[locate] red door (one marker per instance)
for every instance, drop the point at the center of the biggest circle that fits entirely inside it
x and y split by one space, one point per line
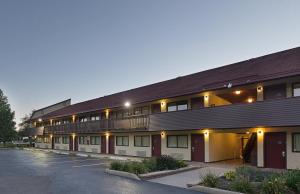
156 145
76 143
52 143
275 150
103 144
197 147
111 141
71 143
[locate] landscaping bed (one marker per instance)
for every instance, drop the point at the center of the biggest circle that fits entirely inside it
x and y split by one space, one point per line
151 165
253 180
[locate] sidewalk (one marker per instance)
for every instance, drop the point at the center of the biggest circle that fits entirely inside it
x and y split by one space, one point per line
87 154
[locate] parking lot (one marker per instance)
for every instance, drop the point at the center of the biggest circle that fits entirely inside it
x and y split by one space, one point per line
36 172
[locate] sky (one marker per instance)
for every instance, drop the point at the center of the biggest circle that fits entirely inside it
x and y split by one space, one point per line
59 49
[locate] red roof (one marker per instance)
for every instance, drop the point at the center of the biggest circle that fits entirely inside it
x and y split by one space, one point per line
273 66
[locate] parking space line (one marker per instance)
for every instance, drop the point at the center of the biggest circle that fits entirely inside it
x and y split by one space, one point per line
86 165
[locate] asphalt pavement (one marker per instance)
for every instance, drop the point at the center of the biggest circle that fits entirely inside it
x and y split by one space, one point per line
36 172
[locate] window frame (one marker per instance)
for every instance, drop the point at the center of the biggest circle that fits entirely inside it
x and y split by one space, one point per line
57 142
122 140
141 136
95 137
293 141
293 86
176 104
67 138
187 138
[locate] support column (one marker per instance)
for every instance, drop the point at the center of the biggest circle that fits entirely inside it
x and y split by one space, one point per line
206 101
260 148
163 106
107 142
206 146
289 90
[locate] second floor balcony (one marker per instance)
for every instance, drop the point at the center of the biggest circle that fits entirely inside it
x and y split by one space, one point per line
271 113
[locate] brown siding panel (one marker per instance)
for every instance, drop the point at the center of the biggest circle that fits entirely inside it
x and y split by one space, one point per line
284 112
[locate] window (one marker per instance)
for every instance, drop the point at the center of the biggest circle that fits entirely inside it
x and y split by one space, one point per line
46 140
65 140
296 89
120 114
142 141
138 111
95 140
145 110
177 141
39 140
95 118
122 141
56 140
296 142
177 106
83 119
66 121
57 122
82 140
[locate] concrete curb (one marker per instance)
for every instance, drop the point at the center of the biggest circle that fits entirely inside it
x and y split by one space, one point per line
153 175
209 190
122 174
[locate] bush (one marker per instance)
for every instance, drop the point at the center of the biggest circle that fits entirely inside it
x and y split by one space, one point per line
254 174
116 166
230 176
292 180
138 168
168 163
241 184
150 164
210 180
127 167
274 185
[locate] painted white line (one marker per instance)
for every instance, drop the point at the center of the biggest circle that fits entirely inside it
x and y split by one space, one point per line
88 165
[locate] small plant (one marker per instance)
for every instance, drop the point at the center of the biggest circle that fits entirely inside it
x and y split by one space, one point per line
165 162
292 180
210 180
230 176
138 168
274 185
116 165
150 164
241 184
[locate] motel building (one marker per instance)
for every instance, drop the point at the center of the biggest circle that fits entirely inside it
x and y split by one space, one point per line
248 111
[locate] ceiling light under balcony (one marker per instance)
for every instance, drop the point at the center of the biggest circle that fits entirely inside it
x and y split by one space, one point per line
237 92
127 104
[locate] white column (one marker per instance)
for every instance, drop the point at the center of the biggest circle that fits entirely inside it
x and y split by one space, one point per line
260 148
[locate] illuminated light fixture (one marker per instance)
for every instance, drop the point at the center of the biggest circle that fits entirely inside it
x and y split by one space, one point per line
73 135
73 118
248 132
250 100
163 104
237 92
162 134
259 88
260 132
206 133
127 104
107 134
51 135
206 97
40 120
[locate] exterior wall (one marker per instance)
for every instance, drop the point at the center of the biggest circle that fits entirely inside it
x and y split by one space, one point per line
179 153
131 150
89 148
221 146
43 145
217 101
61 146
292 158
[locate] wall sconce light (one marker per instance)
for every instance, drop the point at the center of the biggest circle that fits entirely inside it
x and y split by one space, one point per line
259 88
260 132
163 104
127 104
250 100
107 134
206 133
237 92
73 118
163 134
106 113
73 135
51 136
206 97
40 120
248 132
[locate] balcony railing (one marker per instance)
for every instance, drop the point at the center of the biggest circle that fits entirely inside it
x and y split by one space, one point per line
271 113
130 123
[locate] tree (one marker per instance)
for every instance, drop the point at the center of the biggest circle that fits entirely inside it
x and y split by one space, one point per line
24 126
7 123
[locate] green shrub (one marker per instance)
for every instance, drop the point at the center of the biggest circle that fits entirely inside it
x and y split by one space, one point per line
210 180
116 166
138 168
127 167
254 174
241 184
165 162
150 164
230 176
274 185
292 180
